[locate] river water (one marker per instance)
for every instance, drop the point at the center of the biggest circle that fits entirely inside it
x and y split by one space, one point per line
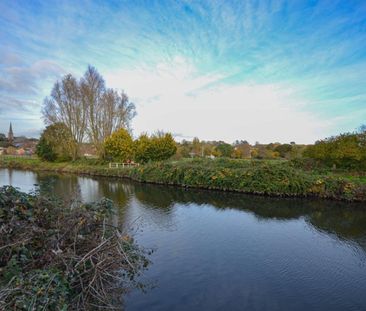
227 251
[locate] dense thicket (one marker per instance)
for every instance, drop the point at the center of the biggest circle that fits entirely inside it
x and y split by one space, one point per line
278 178
62 255
343 151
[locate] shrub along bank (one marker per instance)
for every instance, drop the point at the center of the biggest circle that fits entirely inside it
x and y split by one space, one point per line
274 178
58 255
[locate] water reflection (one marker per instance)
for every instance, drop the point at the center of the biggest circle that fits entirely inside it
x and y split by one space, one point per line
326 216
218 250
348 223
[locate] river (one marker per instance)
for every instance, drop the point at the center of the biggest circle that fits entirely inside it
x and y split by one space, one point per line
227 251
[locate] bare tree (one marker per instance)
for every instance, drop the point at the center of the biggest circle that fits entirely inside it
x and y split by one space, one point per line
88 109
65 105
106 109
92 88
118 112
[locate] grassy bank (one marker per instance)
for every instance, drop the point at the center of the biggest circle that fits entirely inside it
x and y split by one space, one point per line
274 178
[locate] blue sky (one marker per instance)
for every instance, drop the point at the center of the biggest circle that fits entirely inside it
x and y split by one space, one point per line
257 70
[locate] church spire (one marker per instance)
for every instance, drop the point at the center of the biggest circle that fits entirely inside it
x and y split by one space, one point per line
10 134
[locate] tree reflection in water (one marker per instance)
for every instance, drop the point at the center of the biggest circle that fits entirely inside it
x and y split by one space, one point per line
344 221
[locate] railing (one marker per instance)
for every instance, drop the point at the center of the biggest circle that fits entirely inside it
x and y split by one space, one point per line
123 165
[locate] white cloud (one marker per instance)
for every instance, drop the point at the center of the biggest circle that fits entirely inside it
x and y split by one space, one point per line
174 97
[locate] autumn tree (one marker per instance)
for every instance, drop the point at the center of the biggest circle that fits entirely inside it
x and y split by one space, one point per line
120 146
163 146
143 149
345 150
157 147
242 148
237 154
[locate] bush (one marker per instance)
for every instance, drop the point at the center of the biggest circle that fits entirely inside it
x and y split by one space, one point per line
55 143
45 151
158 147
275 178
344 151
58 256
120 146
224 150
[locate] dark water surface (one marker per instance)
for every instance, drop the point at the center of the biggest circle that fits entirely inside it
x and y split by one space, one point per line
225 251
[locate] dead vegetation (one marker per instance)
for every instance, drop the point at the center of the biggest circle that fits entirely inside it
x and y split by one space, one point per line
62 256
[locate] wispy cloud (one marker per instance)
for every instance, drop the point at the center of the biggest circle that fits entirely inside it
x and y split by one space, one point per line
26 80
273 70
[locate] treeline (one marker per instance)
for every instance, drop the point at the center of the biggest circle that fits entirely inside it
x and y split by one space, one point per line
343 151
120 146
347 151
86 113
238 150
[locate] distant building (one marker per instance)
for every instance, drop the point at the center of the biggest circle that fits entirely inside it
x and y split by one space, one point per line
88 151
10 135
20 151
20 145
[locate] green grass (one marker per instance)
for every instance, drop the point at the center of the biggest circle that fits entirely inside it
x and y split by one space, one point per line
264 177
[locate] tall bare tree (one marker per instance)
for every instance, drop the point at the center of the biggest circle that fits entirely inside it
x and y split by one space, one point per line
92 87
118 112
107 110
88 109
65 106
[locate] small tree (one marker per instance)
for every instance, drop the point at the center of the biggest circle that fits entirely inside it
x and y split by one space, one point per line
44 150
237 154
225 150
120 146
143 149
284 149
158 147
162 146
56 143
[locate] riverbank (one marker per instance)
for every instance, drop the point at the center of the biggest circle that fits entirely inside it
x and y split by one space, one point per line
60 255
272 178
